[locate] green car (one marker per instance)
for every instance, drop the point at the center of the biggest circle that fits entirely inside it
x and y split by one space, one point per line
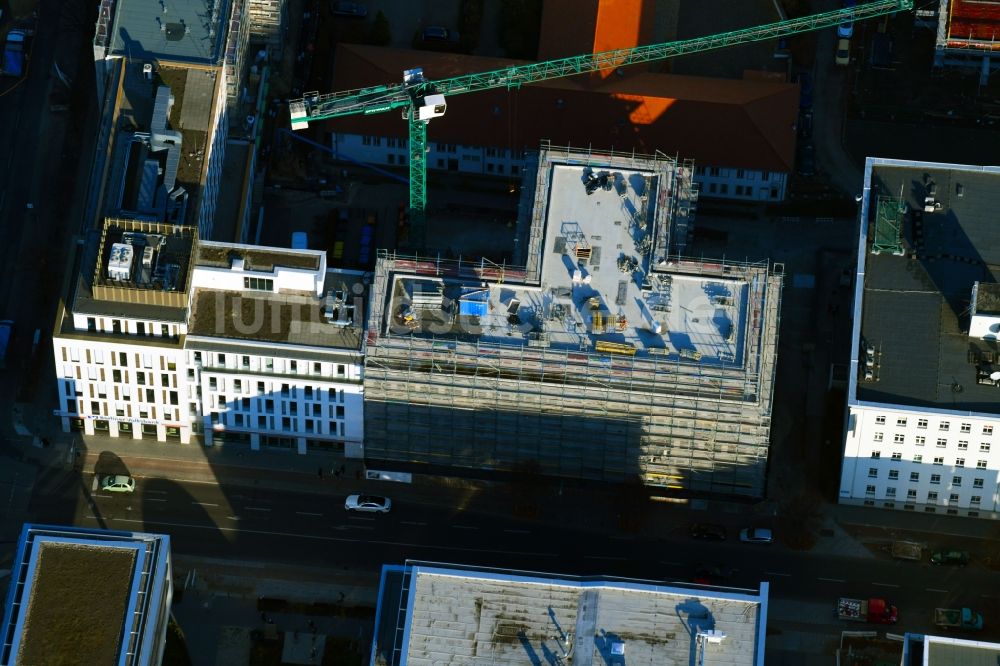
955 557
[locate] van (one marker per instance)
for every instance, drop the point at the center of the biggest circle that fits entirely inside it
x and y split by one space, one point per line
300 240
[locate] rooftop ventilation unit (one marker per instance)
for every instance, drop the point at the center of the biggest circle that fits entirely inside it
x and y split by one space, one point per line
120 262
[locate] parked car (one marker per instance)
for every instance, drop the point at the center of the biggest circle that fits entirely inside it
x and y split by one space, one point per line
805 124
954 557
707 531
756 535
435 33
349 10
845 30
843 55
807 159
368 503
118 483
805 90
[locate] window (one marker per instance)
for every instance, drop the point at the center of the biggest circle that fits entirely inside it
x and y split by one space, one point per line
116 375
944 426
712 188
984 447
897 456
914 477
258 284
714 172
939 461
740 174
921 440
987 430
245 361
980 464
238 385
921 423
724 188
911 494
222 359
870 490
392 158
880 420
935 478
932 496
898 438
976 499
765 176
963 445
293 366
901 423
953 497
959 462
317 368
873 472
977 483
876 454
893 474
941 443
966 427
878 437
340 412
212 383
739 190
890 492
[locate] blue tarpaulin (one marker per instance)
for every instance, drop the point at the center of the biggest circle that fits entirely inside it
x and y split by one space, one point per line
474 303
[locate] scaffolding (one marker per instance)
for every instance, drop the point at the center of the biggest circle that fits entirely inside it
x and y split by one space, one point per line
605 413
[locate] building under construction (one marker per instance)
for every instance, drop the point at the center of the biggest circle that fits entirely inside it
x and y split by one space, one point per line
606 354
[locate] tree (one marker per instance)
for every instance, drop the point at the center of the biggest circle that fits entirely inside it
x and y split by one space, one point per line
380 34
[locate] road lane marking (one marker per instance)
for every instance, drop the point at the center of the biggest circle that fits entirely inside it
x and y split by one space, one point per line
257 508
155 492
605 557
464 527
321 537
833 580
934 589
204 504
233 517
778 573
309 513
412 522
885 584
93 486
518 531
360 527
154 499
353 517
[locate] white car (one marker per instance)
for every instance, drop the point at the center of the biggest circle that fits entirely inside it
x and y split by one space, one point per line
842 58
756 535
118 483
368 503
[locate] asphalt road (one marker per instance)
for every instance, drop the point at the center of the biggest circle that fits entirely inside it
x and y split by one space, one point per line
283 527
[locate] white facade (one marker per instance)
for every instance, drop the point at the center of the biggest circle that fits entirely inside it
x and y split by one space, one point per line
152 379
922 460
717 182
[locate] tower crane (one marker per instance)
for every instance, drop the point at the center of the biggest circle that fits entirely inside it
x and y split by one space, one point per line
423 100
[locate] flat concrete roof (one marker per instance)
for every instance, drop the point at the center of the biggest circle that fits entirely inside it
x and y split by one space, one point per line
467 615
181 30
915 304
946 651
605 284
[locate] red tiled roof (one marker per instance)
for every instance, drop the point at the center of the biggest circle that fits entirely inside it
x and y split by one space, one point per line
975 20
718 122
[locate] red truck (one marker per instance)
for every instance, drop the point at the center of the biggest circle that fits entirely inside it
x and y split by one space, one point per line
875 611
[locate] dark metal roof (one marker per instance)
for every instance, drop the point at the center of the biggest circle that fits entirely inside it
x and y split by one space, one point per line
915 310
174 30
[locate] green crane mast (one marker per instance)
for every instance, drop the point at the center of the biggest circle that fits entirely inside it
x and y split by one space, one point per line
422 100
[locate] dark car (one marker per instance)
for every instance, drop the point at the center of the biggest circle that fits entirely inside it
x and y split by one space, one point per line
710 573
807 160
707 531
805 90
957 558
806 124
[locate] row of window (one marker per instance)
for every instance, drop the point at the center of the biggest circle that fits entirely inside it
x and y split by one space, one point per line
722 172
266 406
125 410
246 362
920 440
932 496
943 426
119 326
118 359
286 425
956 481
959 462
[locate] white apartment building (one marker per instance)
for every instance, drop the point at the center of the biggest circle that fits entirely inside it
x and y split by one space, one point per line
923 414
168 338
